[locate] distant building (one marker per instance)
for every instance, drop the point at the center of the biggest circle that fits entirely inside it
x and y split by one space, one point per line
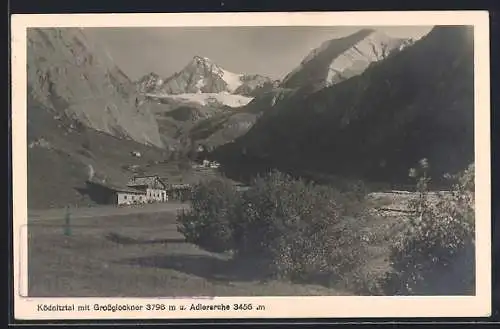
210 164
240 188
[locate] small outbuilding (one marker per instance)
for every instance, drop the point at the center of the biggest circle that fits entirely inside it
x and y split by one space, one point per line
180 191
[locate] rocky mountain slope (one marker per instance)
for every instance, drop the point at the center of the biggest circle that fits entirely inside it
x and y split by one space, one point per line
340 59
225 127
149 83
176 117
417 103
67 75
201 75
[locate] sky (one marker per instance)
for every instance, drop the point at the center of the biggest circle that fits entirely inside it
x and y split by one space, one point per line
270 51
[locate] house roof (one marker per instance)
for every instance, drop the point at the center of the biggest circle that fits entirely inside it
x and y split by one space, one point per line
128 190
144 181
115 187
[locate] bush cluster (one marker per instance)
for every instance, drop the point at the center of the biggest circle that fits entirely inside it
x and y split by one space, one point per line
290 228
215 205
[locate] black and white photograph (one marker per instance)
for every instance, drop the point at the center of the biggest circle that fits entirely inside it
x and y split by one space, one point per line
229 161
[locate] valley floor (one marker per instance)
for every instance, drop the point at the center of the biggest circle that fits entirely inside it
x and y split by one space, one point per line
138 252
140 255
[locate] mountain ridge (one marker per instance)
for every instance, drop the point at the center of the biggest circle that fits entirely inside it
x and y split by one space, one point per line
339 59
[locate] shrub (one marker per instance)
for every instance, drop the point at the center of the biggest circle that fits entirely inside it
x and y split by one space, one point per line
440 236
297 227
214 204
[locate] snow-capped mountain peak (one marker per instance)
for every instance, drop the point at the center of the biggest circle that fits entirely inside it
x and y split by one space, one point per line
201 59
203 62
212 70
201 75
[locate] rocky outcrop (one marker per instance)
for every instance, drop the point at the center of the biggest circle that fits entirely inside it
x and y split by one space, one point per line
149 83
255 85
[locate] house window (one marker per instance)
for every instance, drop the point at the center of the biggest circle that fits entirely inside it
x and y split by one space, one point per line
125 197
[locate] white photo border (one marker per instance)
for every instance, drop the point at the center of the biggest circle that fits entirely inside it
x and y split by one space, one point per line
25 308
